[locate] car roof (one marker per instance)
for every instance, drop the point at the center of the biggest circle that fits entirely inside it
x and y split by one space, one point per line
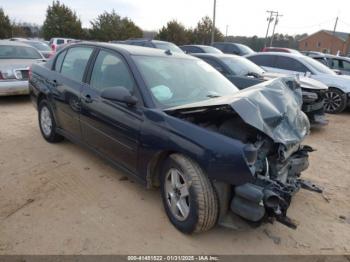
227 43
146 40
134 50
13 43
295 55
199 45
216 55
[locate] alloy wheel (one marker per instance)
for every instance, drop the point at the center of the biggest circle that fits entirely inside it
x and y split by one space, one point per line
46 121
332 101
177 194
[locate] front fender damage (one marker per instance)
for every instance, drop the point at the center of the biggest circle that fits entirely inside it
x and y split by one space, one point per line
269 120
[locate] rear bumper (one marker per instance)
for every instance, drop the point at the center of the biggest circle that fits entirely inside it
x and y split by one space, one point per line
15 87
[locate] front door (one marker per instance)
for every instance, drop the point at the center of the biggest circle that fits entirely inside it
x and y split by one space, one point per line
111 128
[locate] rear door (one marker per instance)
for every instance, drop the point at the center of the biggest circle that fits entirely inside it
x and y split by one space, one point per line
70 68
111 128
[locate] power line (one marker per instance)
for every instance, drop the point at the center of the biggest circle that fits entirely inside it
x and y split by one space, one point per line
274 26
269 19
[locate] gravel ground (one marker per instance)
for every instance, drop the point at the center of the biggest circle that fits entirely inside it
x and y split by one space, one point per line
62 199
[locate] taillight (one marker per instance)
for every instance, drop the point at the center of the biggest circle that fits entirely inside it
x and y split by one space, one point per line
53 47
30 73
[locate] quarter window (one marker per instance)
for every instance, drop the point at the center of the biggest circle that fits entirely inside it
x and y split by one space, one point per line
59 61
75 62
290 64
110 71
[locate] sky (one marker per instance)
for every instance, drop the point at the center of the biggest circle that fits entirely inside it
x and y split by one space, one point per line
245 18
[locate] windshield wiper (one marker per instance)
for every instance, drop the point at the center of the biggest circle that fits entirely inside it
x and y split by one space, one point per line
253 74
213 96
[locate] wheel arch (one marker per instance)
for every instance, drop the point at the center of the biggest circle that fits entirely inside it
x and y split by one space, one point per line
154 168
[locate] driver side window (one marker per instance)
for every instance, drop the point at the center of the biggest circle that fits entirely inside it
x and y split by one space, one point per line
110 71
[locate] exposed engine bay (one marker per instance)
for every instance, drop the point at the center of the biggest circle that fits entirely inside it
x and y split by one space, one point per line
270 123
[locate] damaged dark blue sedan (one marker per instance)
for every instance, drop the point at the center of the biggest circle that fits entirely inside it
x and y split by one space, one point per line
172 121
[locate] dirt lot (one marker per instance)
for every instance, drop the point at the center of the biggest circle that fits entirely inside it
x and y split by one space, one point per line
62 199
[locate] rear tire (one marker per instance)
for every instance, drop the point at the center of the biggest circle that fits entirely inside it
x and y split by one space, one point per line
335 101
47 123
189 198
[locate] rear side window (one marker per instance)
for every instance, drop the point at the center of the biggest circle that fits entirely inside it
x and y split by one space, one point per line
60 41
231 49
219 46
193 49
110 71
263 60
216 65
290 64
59 61
75 62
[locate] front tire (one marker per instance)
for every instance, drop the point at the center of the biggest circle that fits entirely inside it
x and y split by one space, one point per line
189 198
47 123
335 101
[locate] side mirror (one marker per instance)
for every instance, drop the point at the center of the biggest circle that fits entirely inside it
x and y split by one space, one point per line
119 94
308 74
338 72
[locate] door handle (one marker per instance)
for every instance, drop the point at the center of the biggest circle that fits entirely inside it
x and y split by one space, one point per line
88 99
54 83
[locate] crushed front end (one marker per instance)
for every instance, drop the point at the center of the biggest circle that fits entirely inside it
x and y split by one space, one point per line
277 171
276 157
268 121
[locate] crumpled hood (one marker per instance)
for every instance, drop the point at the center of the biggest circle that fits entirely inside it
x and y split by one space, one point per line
305 82
273 107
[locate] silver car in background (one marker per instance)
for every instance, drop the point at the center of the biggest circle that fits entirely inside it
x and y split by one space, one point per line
15 61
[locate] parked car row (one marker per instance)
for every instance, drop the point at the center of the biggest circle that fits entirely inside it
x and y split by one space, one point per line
337 97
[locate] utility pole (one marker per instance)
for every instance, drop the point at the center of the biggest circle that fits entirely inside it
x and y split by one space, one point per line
335 28
226 32
274 27
213 29
269 19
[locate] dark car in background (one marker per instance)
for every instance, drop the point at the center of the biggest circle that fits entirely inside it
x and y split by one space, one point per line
194 49
244 73
173 121
233 48
151 43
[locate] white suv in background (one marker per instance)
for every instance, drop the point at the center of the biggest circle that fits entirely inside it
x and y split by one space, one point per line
338 94
55 42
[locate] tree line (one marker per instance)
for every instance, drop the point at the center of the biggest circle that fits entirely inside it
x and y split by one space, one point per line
62 21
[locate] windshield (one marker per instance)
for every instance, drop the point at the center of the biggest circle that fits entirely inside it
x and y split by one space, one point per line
39 45
179 81
317 66
18 52
246 50
242 67
168 46
210 49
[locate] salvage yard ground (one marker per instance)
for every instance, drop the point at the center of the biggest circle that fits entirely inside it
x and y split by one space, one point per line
62 199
